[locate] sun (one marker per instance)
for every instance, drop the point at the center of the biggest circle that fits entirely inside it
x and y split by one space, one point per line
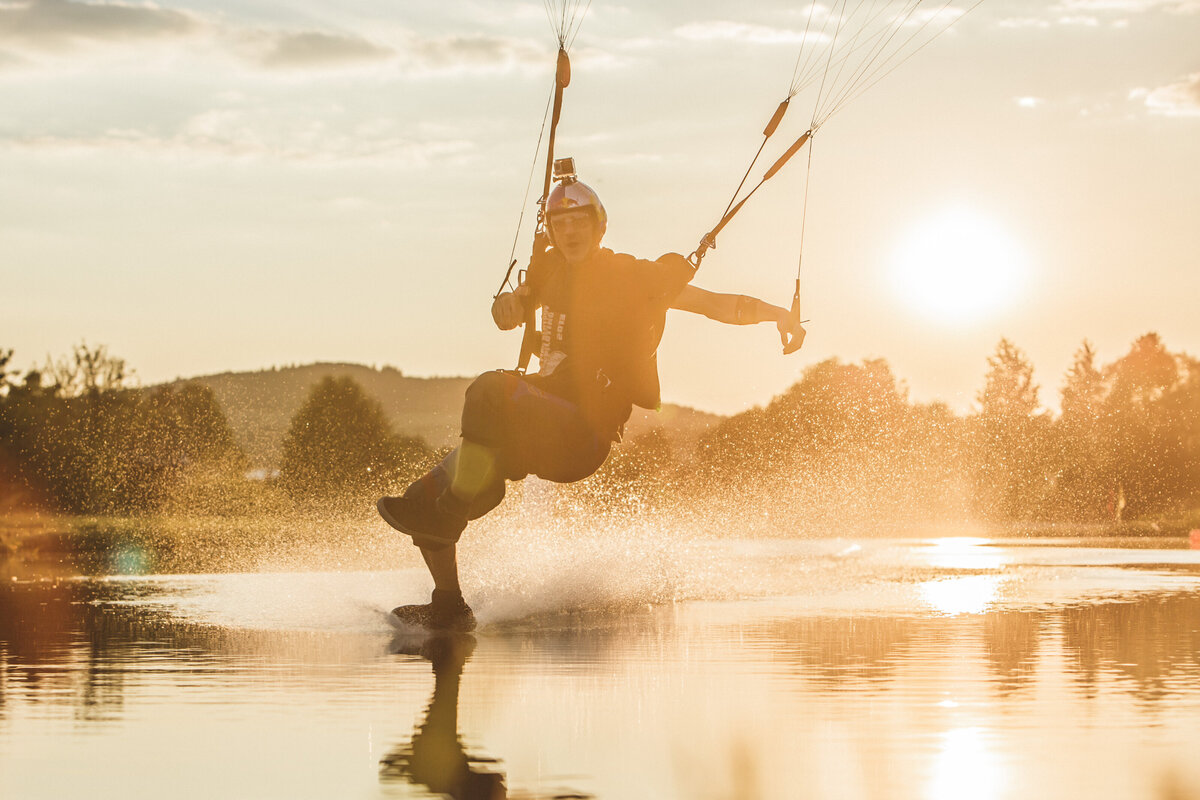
958 267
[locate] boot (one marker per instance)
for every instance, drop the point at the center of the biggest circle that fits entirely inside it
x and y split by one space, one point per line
419 514
447 611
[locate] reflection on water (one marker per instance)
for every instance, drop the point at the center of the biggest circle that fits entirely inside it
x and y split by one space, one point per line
965 669
1011 640
434 757
1151 647
972 594
966 765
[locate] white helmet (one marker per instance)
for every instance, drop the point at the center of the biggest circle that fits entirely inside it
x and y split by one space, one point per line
570 194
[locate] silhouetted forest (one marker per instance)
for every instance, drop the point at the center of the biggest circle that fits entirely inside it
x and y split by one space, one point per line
844 445
260 405
75 437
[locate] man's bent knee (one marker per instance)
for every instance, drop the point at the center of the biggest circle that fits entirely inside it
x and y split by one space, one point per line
485 408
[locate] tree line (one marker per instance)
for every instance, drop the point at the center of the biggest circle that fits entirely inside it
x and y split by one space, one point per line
75 437
845 444
78 437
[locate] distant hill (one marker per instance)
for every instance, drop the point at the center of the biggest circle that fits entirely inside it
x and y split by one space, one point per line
260 406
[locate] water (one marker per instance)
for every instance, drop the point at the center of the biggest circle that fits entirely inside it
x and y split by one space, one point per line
831 668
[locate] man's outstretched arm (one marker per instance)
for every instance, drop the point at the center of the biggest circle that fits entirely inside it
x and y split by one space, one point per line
738 309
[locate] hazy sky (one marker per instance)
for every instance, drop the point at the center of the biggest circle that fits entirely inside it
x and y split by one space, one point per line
211 186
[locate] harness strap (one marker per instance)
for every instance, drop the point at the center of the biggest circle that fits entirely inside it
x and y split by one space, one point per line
531 336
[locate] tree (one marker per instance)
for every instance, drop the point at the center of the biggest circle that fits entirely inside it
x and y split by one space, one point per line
88 371
1144 428
68 440
1010 441
834 410
23 408
88 443
12 493
1084 482
827 447
1183 403
5 358
1009 392
340 447
1144 374
1083 390
99 425
930 464
190 421
185 452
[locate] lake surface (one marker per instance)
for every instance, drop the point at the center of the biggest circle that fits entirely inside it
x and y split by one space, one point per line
827 668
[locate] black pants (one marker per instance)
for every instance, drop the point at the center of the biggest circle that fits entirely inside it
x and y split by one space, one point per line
533 430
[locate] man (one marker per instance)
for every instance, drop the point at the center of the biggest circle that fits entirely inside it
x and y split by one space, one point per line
602 318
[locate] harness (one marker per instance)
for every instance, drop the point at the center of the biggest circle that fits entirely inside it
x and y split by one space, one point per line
849 45
541 240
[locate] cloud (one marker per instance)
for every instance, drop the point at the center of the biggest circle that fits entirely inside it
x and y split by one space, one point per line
725 30
809 11
419 56
228 134
50 30
9 60
473 53
259 134
1099 13
944 15
60 24
1024 22
314 49
1029 102
1127 6
1179 99
1064 20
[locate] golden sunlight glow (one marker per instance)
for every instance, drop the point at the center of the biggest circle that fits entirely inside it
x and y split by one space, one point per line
965 767
958 267
967 595
965 552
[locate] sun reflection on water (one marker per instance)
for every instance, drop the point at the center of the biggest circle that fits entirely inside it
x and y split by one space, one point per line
965 766
963 594
969 595
965 552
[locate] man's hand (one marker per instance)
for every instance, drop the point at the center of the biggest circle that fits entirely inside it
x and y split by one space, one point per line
791 333
508 309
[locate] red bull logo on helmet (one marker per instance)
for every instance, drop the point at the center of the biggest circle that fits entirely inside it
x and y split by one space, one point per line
576 195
